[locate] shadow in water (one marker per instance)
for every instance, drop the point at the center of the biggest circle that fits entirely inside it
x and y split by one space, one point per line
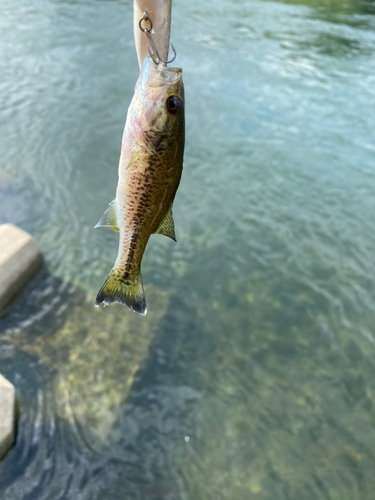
73 367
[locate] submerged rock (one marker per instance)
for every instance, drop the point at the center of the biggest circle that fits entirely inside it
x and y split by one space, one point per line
94 357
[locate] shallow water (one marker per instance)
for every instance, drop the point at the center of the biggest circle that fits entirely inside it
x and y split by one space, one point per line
253 375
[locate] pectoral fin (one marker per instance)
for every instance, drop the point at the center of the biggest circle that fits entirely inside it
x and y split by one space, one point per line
110 217
167 226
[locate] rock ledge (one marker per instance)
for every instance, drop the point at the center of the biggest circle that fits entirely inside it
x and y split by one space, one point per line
20 259
7 415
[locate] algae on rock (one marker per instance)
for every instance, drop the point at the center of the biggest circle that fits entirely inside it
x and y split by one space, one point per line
95 356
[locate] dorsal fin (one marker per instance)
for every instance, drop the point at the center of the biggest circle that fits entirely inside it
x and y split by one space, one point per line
167 226
109 217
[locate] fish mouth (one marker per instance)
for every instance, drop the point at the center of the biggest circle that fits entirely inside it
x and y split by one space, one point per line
154 76
166 76
159 71
177 70
151 65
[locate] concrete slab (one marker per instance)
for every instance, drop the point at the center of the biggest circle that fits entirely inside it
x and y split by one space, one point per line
7 415
20 259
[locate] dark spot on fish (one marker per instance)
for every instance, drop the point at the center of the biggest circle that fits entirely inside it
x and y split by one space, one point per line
155 119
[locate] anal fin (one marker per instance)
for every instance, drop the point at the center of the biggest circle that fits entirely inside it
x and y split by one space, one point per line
167 226
110 217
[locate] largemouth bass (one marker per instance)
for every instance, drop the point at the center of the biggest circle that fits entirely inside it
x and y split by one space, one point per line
150 169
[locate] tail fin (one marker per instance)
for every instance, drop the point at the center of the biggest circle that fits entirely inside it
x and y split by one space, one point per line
117 288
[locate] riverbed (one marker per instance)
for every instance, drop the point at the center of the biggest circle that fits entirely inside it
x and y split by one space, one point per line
253 374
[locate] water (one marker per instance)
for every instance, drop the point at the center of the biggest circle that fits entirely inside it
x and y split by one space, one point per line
252 376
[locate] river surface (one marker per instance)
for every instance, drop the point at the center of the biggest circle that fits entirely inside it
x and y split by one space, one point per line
253 374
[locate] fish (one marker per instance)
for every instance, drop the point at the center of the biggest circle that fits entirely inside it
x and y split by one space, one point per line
149 174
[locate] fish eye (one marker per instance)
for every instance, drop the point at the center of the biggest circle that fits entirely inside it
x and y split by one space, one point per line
173 104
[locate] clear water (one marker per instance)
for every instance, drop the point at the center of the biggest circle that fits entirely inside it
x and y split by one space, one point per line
253 375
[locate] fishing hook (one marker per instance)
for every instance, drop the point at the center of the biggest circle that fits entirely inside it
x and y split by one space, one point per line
147 31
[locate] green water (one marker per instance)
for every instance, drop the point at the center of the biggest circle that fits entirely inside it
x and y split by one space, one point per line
253 375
